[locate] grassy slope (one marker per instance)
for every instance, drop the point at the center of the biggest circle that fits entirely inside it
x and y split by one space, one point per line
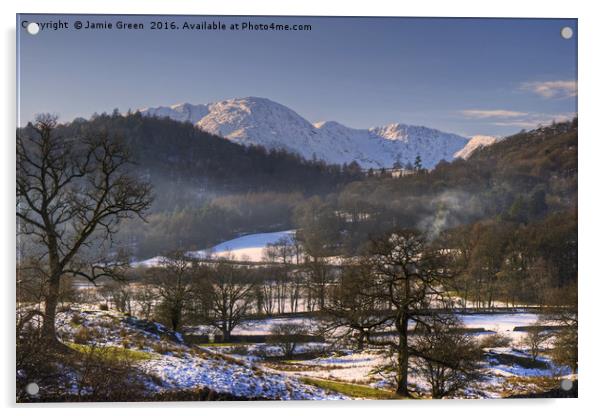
349 389
111 352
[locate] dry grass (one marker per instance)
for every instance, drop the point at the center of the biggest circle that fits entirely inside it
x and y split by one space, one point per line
113 353
352 390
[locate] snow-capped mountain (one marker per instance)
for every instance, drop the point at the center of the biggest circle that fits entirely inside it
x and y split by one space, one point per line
474 144
260 121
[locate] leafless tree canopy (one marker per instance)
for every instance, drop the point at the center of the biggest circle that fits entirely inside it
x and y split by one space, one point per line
231 290
182 288
397 281
71 195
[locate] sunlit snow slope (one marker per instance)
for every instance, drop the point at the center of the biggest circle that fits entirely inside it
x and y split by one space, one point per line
260 121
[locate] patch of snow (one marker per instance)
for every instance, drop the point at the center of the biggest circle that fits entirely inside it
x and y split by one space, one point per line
249 247
257 326
498 322
475 143
152 262
246 248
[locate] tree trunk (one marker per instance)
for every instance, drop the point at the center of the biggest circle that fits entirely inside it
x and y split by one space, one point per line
175 323
54 288
361 341
51 301
402 360
226 335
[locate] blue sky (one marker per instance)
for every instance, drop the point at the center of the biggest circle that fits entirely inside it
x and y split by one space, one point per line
467 76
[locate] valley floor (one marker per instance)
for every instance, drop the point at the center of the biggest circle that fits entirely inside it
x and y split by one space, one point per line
318 370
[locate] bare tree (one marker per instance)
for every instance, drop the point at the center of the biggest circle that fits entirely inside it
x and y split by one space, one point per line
72 194
351 311
269 286
120 293
268 295
295 287
565 349
536 339
231 296
447 358
180 284
145 298
319 274
563 311
539 277
282 252
287 336
403 280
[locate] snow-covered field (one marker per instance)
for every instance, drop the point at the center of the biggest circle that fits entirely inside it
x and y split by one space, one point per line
257 326
176 366
246 248
490 322
506 369
498 322
241 379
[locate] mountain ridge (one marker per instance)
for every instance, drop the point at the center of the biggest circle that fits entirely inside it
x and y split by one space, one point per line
263 122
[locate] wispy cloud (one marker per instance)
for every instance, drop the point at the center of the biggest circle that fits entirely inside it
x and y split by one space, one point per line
492 113
520 119
551 89
534 120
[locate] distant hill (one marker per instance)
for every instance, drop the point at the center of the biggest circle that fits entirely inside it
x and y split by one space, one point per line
544 157
171 152
549 150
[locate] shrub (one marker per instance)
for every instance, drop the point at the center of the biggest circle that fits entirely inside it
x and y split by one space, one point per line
162 348
63 308
239 350
125 343
35 362
286 336
536 339
139 341
84 335
495 340
106 374
77 319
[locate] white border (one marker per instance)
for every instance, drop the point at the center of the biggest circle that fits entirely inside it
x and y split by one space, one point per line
590 126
